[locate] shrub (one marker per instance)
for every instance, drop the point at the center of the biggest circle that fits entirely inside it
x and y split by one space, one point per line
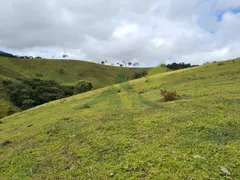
82 86
176 66
220 64
137 75
169 96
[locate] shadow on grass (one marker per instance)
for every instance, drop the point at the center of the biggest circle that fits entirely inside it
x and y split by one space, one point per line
113 98
224 134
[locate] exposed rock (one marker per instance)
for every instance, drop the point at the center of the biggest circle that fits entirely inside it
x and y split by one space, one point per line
225 171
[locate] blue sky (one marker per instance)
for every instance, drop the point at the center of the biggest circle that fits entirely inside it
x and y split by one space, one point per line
221 13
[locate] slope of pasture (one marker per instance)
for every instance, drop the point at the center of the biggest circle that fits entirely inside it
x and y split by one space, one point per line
127 132
66 72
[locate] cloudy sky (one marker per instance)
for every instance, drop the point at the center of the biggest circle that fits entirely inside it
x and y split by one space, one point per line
147 32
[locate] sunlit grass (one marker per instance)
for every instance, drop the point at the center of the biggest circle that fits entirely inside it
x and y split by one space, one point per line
123 135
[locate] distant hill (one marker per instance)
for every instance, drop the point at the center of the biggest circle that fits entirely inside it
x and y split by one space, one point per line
65 72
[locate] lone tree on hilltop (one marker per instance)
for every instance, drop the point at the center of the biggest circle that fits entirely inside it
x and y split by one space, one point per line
65 55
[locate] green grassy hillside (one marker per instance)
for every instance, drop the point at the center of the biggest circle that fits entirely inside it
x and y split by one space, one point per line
127 132
99 75
65 72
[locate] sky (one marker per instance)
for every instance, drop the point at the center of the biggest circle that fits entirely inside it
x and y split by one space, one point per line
148 32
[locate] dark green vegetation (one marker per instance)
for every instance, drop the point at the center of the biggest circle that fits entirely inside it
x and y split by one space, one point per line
6 106
29 92
176 66
139 74
4 54
117 133
82 86
64 72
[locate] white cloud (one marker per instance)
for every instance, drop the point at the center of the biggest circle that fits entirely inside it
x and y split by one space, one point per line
128 30
158 41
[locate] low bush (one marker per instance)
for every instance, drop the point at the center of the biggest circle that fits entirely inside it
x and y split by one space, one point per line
137 75
169 95
82 86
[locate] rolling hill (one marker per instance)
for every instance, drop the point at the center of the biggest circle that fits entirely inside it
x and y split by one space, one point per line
126 131
65 72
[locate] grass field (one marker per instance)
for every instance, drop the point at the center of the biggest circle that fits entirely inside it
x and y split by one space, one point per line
127 132
99 75
65 72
